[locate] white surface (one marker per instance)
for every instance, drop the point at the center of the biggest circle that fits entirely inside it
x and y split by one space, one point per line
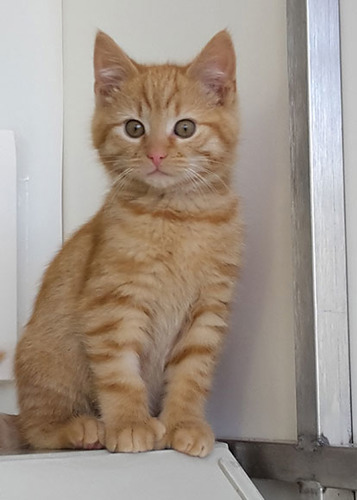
349 89
158 475
8 298
254 394
31 106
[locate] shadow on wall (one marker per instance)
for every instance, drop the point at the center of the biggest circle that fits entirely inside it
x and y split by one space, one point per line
261 338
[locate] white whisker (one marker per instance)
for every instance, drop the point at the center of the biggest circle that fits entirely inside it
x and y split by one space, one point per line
198 181
216 176
121 181
202 180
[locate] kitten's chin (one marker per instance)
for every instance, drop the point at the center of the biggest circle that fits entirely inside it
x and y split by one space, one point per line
160 180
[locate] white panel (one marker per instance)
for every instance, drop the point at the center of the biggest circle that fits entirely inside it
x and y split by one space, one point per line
254 394
349 92
8 239
157 475
31 105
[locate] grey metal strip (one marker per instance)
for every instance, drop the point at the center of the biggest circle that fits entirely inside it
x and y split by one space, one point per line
321 322
311 490
332 494
305 349
328 221
331 466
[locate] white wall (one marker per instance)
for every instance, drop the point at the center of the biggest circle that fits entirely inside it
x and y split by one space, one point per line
254 394
349 91
31 106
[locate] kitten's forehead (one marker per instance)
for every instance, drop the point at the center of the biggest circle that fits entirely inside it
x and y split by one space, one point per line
160 88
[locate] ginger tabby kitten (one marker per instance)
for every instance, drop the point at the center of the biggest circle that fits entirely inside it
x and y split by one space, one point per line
132 312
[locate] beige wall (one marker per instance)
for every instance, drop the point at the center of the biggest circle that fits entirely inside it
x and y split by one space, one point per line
254 394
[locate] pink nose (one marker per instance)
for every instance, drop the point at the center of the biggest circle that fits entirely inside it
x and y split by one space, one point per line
157 157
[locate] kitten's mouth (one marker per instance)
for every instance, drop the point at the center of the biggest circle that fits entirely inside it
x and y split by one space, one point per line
158 178
157 172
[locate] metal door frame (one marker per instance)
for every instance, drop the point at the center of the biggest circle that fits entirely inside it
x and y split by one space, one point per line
323 456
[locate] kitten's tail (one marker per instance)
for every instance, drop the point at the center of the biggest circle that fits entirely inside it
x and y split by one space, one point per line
10 439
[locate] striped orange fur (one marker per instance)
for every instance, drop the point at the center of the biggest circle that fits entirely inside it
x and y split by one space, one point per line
131 316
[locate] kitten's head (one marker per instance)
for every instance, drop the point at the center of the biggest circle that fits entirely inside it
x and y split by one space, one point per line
166 126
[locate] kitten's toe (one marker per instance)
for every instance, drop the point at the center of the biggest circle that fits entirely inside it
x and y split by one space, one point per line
86 433
134 437
159 428
192 438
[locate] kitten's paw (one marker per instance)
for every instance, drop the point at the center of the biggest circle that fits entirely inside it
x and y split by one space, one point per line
191 437
134 437
85 433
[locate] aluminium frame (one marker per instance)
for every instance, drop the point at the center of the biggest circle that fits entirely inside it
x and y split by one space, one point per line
323 456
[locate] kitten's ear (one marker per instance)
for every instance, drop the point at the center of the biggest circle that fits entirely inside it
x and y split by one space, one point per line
215 66
111 66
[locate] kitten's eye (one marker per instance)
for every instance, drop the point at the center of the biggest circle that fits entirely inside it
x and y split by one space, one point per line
134 128
185 128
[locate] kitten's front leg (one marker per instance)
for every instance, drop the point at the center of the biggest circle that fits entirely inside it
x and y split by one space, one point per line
189 374
116 337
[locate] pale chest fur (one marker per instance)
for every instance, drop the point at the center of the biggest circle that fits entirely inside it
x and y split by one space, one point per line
166 265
